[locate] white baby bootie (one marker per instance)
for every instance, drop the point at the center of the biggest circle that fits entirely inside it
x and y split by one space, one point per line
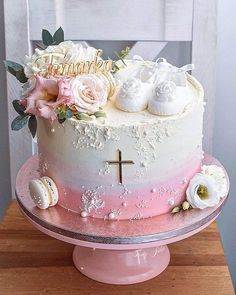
164 101
133 95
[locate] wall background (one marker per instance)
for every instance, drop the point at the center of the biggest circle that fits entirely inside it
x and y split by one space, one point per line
224 142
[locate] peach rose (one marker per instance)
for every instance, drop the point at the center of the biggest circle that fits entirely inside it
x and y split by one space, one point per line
89 92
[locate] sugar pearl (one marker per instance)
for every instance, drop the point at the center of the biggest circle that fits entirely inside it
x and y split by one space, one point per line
153 190
52 130
111 215
171 202
124 204
84 214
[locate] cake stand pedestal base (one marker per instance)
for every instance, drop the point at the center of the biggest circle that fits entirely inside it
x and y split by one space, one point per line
114 252
121 267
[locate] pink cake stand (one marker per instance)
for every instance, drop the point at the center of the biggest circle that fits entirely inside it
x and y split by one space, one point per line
114 252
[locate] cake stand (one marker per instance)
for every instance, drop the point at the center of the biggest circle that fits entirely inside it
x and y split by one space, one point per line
114 252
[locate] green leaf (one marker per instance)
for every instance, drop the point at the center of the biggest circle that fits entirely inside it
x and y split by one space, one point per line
58 36
62 115
61 120
19 122
47 38
68 114
19 108
120 57
13 65
83 116
32 124
125 52
20 76
115 68
100 114
16 70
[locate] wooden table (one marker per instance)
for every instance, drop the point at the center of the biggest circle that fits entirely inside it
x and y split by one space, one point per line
33 263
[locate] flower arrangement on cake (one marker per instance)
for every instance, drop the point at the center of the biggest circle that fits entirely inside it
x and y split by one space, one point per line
151 111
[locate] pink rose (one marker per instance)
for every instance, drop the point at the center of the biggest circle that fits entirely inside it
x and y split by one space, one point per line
89 92
46 96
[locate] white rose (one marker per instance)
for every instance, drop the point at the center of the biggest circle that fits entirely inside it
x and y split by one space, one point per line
218 174
202 192
89 92
65 52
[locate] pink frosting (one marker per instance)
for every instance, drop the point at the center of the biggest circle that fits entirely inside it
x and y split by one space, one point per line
145 199
47 94
149 200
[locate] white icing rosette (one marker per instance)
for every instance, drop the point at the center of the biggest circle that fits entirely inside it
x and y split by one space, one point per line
66 52
89 93
218 174
202 192
133 96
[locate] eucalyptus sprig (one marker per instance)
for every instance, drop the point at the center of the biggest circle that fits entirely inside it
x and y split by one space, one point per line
23 118
16 70
54 39
120 57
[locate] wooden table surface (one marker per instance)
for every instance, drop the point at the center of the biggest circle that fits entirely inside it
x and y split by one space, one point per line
33 263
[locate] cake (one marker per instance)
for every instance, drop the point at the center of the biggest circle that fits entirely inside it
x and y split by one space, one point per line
117 139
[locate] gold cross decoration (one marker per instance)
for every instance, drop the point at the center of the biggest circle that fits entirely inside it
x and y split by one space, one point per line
120 163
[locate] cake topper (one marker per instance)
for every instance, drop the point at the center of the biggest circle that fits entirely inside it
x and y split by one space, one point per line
56 68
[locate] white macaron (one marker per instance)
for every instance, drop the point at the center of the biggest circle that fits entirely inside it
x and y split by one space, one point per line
43 192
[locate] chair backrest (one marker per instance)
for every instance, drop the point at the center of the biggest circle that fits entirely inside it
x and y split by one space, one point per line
150 24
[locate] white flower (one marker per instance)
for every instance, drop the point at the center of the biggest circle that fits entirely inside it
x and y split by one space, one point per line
66 52
89 92
218 174
202 192
131 87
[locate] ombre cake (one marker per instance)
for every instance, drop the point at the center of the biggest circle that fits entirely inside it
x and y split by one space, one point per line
116 139
162 153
